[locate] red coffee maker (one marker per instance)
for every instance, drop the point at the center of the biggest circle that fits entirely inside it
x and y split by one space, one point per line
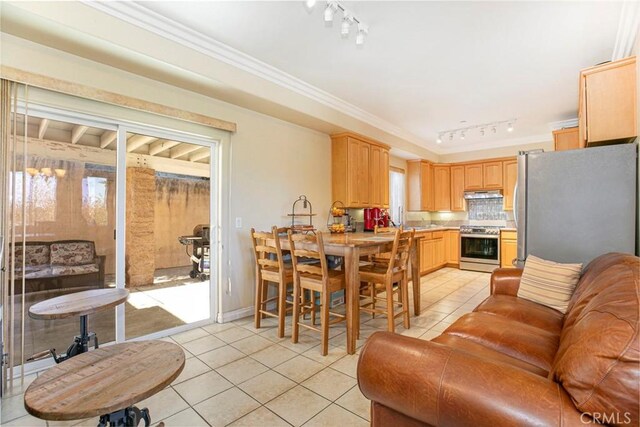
371 216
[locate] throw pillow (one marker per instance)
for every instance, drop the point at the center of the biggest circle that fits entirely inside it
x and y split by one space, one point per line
549 283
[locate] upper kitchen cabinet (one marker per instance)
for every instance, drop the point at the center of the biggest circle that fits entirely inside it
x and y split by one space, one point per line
473 176
421 186
457 188
483 176
607 109
510 176
360 171
442 187
566 139
492 175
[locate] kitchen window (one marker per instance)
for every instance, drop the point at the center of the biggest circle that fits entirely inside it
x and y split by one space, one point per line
397 187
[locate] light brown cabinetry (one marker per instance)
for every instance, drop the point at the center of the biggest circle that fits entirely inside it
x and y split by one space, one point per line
420 181
457 188
607 108
432 251
452 247
492 175
508 248
510 177
442 187
566 139
360 171
473 176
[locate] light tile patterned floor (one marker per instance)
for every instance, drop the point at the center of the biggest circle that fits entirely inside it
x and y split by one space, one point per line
239 376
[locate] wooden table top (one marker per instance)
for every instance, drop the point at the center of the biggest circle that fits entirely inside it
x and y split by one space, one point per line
78 304
103 381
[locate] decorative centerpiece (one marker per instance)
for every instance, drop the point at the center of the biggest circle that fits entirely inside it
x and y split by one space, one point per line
335 223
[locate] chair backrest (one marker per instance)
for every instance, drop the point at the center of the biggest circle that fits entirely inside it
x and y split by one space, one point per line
378 230
403 251
266 246
302 247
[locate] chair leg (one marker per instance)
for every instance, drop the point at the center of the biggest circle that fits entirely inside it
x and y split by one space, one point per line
313 308
373 293
324 321
258 303
296 313
282 306
390 318
405 300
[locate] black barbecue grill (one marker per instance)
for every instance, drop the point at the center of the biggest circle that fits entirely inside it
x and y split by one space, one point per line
199 255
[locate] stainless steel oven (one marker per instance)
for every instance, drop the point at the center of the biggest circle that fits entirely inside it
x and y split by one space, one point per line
479 248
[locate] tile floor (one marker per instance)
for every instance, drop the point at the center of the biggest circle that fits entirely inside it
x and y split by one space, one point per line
238 376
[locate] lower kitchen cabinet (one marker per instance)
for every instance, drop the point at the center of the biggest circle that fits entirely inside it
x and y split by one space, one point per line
508 248
452 246
432 252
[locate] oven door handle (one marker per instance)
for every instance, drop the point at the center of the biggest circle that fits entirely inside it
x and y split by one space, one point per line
482 236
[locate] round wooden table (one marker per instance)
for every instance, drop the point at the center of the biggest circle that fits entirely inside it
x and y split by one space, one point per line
107 382
77 304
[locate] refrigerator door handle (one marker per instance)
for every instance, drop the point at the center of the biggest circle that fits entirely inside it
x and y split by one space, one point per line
515 204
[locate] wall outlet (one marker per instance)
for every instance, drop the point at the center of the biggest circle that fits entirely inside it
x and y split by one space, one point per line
238 222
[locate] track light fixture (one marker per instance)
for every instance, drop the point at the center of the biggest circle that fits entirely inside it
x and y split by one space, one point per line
481 128
348 19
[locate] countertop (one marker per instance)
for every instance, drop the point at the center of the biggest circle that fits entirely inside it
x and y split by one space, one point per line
444 228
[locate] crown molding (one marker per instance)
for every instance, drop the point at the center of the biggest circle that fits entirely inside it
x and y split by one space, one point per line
563 124
142 17
628 28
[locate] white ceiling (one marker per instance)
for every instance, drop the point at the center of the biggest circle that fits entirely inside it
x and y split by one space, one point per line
426 66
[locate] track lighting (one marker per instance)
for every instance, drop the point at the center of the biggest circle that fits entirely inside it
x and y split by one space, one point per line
363 30
481 128
330 10
348 19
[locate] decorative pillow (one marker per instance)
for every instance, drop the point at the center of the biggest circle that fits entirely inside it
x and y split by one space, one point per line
72 253
549 283
35 255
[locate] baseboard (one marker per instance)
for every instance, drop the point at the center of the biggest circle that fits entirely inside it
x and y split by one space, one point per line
235 314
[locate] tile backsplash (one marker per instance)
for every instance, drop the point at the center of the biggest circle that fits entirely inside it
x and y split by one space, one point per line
486 209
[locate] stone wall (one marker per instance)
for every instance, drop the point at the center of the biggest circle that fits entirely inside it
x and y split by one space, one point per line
140 234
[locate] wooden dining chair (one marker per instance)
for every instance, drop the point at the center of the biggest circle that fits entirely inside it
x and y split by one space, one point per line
271 269
314 278
389 275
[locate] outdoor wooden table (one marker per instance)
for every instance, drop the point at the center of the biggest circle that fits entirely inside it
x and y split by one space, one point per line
351 246
77 304
107 382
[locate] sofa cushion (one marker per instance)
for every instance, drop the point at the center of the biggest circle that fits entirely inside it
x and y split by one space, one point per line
71 270
521 341
479 350
598 361
35 272
35 255
72 253
549 283
524 311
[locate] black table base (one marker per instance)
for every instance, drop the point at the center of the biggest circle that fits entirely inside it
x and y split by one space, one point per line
128 417
80 343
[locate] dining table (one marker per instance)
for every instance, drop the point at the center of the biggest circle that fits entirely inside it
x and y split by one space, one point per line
352 246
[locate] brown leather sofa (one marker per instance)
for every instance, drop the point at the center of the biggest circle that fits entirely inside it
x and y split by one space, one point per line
512 362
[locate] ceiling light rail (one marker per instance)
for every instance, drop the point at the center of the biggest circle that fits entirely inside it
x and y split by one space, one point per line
483 127
348 20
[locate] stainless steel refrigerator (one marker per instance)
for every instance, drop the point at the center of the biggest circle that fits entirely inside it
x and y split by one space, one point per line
572 206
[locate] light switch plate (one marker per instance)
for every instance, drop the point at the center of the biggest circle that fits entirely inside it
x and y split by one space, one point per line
238 222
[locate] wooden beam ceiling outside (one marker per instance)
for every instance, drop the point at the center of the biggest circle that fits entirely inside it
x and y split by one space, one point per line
42 128
203 153
182 150
158 147
107 138
77 132
137 141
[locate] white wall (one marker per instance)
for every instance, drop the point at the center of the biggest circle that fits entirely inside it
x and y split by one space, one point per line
496 152
272 162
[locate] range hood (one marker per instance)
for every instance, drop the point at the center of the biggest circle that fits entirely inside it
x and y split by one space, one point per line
492 194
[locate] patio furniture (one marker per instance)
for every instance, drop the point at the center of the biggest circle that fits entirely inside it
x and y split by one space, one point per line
77 304
107 382
58 264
